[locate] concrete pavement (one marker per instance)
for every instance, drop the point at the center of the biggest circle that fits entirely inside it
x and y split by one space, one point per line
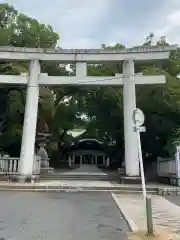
68 216
166 215
54 215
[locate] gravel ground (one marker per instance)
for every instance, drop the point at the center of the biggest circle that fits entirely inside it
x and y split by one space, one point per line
64 216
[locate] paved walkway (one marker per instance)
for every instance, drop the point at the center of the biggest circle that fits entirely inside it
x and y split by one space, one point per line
166 215
75 183
82 170
87 169
85 184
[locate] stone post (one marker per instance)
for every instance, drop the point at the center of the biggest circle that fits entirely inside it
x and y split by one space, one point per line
104 160
81 159
96 159
107 162
69 161
73 160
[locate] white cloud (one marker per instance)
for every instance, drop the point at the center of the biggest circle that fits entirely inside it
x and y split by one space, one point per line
162 20
80 21
74 20
89 23
171 27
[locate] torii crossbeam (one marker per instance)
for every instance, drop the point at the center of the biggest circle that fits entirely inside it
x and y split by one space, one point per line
46 80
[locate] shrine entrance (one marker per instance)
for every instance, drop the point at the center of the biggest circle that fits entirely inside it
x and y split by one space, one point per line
93 158
34 78
88 152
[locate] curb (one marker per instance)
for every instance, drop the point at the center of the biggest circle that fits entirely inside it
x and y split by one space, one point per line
131 223
78 189
36 186
71 188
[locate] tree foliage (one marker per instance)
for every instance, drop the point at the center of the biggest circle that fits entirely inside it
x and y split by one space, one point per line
102 107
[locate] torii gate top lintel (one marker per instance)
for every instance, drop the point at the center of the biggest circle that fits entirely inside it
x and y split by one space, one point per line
86 55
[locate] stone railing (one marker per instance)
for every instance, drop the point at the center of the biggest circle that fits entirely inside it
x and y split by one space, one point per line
167 167
168 170
9 165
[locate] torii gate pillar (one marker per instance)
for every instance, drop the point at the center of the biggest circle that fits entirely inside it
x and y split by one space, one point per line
129 100
29 127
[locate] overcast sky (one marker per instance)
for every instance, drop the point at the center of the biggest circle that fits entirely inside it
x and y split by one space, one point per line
90 23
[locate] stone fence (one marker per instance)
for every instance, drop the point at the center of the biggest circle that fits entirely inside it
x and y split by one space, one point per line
168 170
9 165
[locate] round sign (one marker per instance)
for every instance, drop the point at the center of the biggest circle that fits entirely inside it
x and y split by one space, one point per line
138 117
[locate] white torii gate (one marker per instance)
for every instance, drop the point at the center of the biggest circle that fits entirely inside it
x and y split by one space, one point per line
35 78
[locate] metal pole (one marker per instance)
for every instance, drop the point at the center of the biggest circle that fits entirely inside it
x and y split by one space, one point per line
139 120
177 162
150 230
149 217
141 163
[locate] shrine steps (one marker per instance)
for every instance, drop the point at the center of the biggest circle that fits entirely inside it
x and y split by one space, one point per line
81 177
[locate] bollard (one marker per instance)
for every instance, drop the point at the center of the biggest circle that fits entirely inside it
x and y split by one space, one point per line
150 230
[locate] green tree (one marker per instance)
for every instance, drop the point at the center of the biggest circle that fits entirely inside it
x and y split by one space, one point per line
160 103
63 107
20 31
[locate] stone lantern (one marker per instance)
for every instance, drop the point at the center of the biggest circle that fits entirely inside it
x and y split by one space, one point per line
42 138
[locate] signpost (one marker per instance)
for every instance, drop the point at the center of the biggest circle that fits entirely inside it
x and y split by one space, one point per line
177 162
138 119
